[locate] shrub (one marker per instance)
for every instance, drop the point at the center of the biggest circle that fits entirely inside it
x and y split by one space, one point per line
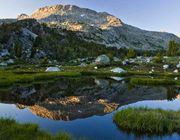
157 60
131 53
173 48
18 49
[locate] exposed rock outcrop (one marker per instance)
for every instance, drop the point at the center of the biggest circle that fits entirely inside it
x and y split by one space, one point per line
22 16
102 60
101 27
53 69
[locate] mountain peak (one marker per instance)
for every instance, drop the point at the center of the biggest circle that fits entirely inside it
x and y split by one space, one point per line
48 10
100 27
73 17
22 16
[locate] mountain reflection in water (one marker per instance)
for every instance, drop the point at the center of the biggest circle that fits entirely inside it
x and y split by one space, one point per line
74 98
84 107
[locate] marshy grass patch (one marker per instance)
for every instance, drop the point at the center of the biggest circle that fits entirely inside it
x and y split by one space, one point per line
24 75
9 78
150 121
11 130
155 81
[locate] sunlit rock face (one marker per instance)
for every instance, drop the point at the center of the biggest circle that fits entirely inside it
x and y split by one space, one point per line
71 99
22 16
100 27
67 109
73 17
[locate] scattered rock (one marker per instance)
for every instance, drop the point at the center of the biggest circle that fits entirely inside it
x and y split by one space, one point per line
165 67
178 65
95 68
118 70
165 57
53 69
102 60
125 62
28 33
3 64
175 78
148 60
175 71
83 65
4 52
10 61
115 59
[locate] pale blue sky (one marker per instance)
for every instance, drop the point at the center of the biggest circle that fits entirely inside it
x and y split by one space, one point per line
156 15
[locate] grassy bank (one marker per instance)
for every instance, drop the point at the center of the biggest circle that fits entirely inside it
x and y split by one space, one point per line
27 76
152 121
10 130
9 78
149 81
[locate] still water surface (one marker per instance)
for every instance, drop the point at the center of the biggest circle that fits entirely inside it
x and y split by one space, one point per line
85 107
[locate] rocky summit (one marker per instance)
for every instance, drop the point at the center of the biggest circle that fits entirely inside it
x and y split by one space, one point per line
100 27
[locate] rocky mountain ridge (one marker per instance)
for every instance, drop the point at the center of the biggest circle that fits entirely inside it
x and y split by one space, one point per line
100 27
69 33
65 15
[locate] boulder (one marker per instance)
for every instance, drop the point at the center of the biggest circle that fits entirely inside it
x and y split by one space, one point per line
83 65
4 52
118 70
115 59
150 72
165 57
28 33
102 60
178 65
175 71
125 62
148 60
132 60
165 66
95 68
3 64
10 61
53 69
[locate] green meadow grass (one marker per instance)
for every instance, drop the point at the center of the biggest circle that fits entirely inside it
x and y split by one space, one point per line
144 120
11 130
25 75
156 81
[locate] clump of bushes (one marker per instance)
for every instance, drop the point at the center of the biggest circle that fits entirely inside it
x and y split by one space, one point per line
173 48
157 60
131 53
144 120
